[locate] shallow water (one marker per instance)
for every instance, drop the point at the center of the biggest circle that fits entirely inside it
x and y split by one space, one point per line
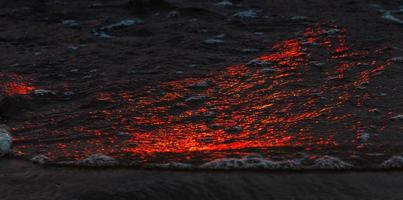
307 97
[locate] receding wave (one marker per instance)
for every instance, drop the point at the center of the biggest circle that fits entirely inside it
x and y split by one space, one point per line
248 162
314 101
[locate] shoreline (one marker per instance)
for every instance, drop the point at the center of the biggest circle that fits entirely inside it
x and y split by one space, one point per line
40 182
252 162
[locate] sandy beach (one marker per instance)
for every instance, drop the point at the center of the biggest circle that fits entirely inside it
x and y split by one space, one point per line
23 180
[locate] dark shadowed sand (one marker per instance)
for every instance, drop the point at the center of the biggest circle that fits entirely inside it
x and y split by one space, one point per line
22 180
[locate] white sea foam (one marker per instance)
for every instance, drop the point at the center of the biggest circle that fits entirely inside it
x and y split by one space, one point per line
393 162
40 159
196 99
299 18
259 63
44 92
246 14
95 160
214 41
397 59
171 165
124 23
201 84
388 16
365 137
251 162
5 140
331 31
329 162
268 70
397 117
224 4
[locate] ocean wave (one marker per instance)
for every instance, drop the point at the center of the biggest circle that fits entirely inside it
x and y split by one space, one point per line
248 162
393 162
40 159
251 162
329 162
95 160
259 162
5 140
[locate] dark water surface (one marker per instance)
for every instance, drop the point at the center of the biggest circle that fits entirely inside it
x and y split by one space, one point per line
313 100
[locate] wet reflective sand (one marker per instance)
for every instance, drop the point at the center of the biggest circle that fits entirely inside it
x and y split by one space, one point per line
61 183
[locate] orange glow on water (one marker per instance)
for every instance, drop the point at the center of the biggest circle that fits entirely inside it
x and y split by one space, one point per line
13 84
302 104
17 88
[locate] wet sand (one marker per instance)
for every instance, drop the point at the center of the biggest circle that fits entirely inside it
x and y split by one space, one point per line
23 180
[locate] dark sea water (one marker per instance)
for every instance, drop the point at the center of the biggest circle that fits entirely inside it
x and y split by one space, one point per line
317 100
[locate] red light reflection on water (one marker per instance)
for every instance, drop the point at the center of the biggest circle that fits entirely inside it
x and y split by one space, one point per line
13 84
303 104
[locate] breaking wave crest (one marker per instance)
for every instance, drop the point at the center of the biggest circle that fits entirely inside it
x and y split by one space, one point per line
5 140
251 162
393 162
248 162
